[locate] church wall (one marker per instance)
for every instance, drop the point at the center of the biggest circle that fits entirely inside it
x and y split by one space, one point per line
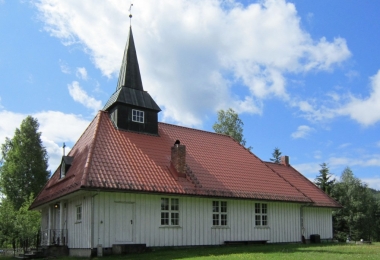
195 224
318 221
79 231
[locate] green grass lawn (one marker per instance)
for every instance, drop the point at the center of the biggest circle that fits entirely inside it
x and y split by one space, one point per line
288 251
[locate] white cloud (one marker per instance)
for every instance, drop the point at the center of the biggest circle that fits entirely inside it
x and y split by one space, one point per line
79 95
364 161
378 144
308 169
345 145
374 183
8 123
302 131
82 73
365 111
56 128
214 45
64 67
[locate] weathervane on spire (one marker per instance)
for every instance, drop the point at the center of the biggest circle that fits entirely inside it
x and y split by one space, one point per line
130 14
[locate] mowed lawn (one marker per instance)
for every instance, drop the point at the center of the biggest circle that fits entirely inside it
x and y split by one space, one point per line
288 251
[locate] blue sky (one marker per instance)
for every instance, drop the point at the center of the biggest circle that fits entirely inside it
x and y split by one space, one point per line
304 76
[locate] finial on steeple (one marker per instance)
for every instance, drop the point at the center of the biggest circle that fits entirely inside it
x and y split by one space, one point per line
130 14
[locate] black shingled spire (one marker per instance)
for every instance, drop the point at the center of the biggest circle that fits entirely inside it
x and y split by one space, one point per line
130 99
130 72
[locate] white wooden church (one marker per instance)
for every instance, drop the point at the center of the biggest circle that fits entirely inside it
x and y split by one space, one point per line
132 181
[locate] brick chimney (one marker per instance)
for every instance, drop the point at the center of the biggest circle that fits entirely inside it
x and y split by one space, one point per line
178 159
285 160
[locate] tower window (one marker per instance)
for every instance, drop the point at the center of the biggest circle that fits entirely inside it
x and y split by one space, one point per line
137 116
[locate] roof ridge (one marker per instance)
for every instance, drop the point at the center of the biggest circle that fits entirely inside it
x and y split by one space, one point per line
92 147
196 129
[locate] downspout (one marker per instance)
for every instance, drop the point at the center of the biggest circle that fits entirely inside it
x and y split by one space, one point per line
92 221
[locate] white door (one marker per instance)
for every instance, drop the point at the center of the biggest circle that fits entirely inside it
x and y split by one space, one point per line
124 213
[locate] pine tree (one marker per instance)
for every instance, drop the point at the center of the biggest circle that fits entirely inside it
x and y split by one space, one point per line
24 169
276 156
323 179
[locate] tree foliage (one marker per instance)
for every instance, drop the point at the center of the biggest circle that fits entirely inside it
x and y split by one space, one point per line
357 219
323 180
230 124
276 155
18 226
24 163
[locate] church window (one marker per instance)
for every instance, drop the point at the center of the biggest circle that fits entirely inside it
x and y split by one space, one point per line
137 116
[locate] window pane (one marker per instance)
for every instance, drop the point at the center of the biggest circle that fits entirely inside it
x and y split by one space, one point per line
264 218
175 204
257 208
223 219
164 204
223 206
175 218
137 116
264 208
215 206
164 218
258 220
215 219
79 213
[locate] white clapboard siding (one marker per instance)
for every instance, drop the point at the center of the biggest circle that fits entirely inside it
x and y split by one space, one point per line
318 221
79 232
195 221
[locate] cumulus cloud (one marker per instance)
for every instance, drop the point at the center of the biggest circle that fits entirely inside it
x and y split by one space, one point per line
214 46
365 111
82 73
80 96
56 128
302 131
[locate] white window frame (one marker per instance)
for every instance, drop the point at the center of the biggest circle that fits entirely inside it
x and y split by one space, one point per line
219 213
137 116
170 212
78 213
261 214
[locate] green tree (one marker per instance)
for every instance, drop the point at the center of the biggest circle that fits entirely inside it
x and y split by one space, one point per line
230 124
24 163
8 225
18 226
276 155
27 223
357 218
323 180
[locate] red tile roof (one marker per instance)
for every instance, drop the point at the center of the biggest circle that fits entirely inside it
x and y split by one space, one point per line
304 185
110 159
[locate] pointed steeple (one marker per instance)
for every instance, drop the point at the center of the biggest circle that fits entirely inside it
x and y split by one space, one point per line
130 107
130 72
